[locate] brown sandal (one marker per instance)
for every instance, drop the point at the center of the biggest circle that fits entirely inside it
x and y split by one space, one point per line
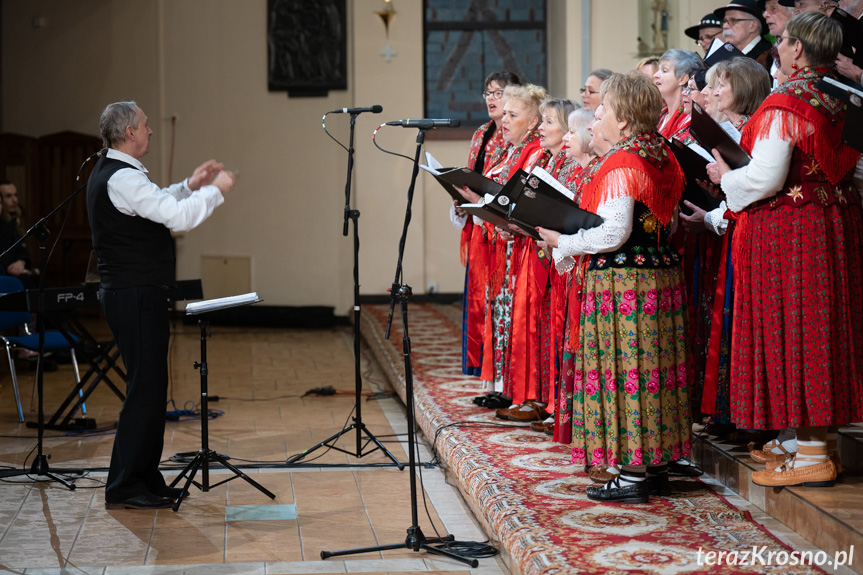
821 474
766 454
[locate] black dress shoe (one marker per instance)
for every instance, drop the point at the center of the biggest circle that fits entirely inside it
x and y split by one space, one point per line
658 484
170 492
613 492
497 401
145 500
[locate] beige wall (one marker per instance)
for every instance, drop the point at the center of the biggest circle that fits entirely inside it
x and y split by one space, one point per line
203 62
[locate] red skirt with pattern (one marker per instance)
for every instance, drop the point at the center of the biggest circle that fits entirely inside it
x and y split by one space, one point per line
797 351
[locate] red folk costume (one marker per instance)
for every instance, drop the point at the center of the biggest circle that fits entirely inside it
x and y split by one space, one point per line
572 299
497 349
716 393
630 384
675 125
797 353
532 328
486 148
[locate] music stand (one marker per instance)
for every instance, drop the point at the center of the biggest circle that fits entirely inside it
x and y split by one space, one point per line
205 455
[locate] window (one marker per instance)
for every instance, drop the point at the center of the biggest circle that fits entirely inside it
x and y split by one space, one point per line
466 41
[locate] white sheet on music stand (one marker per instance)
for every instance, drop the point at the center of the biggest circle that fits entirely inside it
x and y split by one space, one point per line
209 305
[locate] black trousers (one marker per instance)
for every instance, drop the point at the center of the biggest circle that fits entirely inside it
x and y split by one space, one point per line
138 317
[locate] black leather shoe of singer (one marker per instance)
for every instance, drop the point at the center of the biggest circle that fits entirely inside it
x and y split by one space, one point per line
659 485
143 501
613 492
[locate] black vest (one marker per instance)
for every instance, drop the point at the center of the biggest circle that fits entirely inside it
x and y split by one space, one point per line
132 251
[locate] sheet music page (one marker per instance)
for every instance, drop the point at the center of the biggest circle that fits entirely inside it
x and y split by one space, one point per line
546 177
221 303
432 162
846 87
429 169
701 152
731 131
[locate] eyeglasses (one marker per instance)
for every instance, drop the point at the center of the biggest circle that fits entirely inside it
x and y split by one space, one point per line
702 39
735 21
686 90
589 91
498 94
784 38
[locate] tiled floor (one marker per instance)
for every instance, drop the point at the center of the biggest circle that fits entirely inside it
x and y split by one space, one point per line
259 375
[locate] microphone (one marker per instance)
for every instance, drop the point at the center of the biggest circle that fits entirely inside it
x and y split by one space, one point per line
100 154
372 109
426 123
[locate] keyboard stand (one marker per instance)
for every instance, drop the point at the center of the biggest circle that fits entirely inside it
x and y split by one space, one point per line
101 364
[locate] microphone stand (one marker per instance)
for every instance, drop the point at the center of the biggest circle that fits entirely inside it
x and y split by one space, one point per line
40 463
358 425
415 540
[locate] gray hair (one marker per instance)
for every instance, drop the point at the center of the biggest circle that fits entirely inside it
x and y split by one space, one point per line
601 73
114 121
684 61
581 118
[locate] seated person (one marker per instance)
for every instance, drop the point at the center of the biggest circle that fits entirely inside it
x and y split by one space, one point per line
18 262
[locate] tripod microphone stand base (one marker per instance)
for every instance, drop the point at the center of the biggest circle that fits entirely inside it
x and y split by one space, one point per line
40 468
415 541
204 458
330 443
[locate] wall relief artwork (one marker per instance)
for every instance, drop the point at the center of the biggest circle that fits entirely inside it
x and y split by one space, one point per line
306 46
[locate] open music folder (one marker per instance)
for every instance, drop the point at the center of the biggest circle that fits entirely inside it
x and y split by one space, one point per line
709 135
693 159
453 178
535 200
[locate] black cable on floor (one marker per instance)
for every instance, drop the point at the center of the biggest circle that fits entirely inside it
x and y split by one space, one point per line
472 549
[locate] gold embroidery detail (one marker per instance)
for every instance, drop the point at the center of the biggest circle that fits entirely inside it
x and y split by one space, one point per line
840 195
649 222
822 195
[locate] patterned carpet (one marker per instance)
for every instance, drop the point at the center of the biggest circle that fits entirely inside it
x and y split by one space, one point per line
528 491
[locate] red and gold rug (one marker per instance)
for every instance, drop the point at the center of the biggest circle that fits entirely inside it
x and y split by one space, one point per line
531 495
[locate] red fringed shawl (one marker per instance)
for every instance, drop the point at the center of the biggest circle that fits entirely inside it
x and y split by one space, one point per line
676 126
518 160
494 149
814 121
647 155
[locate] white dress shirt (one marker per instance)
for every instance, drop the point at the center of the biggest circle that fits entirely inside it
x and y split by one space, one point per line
177 207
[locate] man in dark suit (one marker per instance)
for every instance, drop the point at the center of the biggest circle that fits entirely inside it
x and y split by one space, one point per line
743 27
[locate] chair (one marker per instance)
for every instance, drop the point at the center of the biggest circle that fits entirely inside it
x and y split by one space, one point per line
54 340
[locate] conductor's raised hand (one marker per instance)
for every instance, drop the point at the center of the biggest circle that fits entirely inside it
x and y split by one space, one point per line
225 181
204 174
549 237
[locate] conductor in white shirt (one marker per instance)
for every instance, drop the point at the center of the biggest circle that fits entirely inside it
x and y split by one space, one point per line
132 219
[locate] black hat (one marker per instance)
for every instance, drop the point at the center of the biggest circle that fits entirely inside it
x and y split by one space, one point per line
722 52
709 21
748 6
790 3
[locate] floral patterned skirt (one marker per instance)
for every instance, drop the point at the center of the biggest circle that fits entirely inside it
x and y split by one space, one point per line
631 379
797 348
500 309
